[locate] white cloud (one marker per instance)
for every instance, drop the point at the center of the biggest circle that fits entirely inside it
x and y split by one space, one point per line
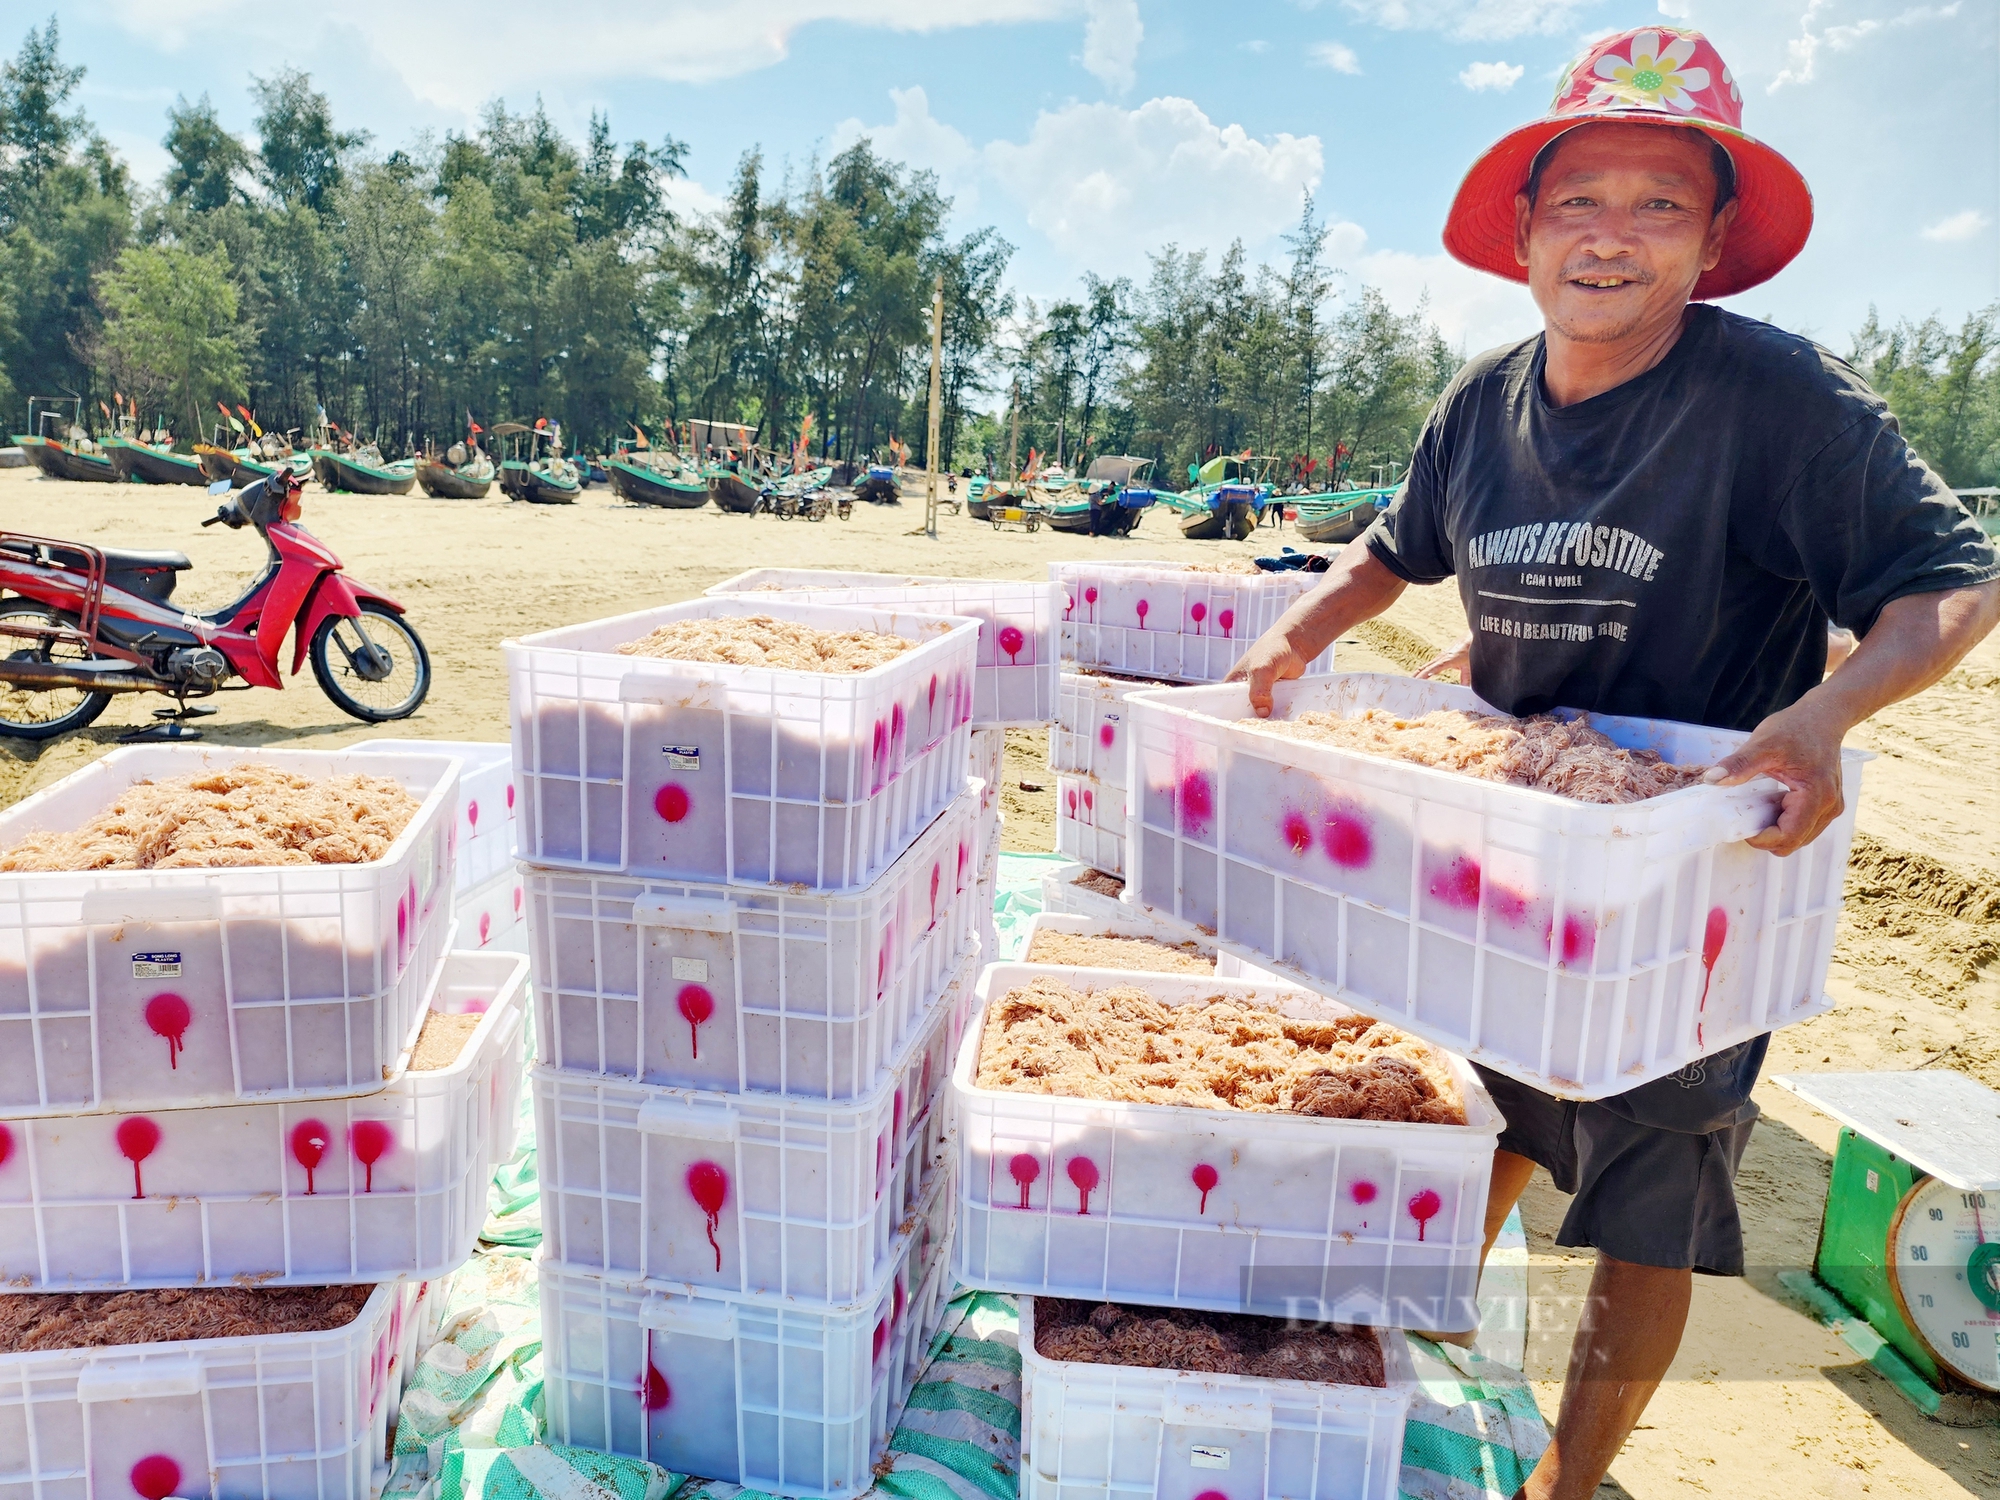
1470 20
1257 45
1474 311
1676 10
1111 34
680 41
1107 184
1335 55
1958 227
1802 51
690 199
917 138
1497 76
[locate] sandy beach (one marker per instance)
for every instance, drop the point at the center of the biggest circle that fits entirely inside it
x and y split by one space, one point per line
1762 1400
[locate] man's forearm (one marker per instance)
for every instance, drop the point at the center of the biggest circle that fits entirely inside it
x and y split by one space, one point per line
1357 587
1916 640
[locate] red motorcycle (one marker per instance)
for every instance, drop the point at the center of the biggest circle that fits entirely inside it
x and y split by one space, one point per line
85 622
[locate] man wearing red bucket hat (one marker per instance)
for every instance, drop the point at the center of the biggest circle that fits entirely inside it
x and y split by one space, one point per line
1655 507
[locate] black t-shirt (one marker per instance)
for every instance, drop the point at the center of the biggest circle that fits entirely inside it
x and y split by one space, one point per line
1674 547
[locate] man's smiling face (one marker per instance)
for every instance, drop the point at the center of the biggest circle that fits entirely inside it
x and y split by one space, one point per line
1621 227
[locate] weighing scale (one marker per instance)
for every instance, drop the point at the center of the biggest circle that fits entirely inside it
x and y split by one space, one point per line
1911 1237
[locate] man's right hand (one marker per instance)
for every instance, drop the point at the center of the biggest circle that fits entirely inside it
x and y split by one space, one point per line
1269 661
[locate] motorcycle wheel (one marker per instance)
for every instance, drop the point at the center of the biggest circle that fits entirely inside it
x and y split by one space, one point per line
374 668
43 713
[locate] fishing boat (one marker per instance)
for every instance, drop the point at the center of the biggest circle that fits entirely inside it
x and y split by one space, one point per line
263 456
647 476
1111 501
1341 515
461 472
732 490
363 471
59 446
878 486
532 474
139 458
1225 499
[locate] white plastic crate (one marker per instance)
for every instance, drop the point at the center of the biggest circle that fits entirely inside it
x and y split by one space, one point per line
1061 893
493 917
294 1416
1110 1431
1584 949
1089 736
745 1192
298 1193
1129 923
983 762
749 987
1018 626
1352 1221
703 771
1164 619
750 1389
484 829
1090 823
161 989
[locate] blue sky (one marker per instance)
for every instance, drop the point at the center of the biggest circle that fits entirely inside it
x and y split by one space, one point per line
1093 131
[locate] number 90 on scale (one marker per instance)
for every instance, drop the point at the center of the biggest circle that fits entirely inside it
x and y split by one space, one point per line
1944 1267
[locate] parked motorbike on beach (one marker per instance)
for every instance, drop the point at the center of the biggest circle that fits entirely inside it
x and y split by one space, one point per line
79 623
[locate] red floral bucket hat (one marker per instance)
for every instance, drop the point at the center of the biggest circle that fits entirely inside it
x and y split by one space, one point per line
1651 76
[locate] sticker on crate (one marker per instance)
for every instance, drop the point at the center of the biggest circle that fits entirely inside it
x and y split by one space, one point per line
1015 682
291 1193
745 1192
709 771
739 987
1196 1434
1582 948
750 1389
170 988
1354 1220
282 1413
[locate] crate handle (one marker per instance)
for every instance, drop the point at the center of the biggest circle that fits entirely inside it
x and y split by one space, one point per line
689 691
144 905
1191 1403
662 1114
132 1380
684 911
689 1318
1750 808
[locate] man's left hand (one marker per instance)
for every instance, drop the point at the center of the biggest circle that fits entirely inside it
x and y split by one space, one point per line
1799 746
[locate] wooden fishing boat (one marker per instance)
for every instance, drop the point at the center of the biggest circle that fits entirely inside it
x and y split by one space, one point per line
532 475
459 473
365 472
644 479
152 463
732 491
878 486
1113 498
1340 516
250 468
70 459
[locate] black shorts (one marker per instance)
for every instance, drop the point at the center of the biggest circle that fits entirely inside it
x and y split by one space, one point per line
1653 1171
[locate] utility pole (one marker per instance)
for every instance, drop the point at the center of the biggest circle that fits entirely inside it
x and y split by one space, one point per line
1014 432
937 398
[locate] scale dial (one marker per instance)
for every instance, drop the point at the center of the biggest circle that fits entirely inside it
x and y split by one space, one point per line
1944 1267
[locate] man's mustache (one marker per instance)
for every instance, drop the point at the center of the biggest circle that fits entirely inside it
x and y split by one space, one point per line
1608 268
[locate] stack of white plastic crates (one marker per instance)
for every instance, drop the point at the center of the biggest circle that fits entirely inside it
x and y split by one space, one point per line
750 896
1015 686
205 1078
1127 627
487 899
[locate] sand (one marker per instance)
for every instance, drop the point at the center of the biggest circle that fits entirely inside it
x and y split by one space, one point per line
1089 950
1569 759
247 815
99 1320
760 641
1046 1037
1762 1400
441 1040
1111 1333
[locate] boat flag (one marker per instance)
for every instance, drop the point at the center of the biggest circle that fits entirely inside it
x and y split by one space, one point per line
235 426
472 425
642 445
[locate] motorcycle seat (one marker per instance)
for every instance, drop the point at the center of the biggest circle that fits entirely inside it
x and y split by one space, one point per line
126 560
